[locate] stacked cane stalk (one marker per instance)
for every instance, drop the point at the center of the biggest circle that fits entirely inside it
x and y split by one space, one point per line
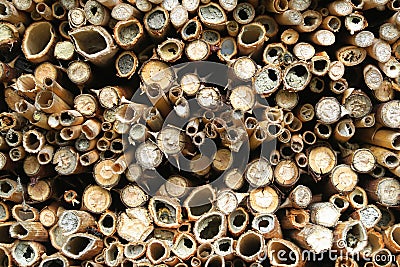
91 163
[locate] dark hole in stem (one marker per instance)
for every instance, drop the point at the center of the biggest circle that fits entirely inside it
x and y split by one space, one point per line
5 187
53 263
212 227
320 65
250 245
239 220
108 221
243 14
3 9
310 20
190 28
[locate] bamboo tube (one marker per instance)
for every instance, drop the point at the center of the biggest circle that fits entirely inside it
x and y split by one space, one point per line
340 8
233 28
385 157
4 212
267 80
96 13
49 215
56 237
10 191
361 160
339 86
58 11
38 49
259 173
104 51
387 112
113 254
103 174
257 243
355 22
24 213
169 216
212 37
296 76
32 168
340 202
7 73
212 16
204 222
11 14
267 225
228 49
197 50
286 173
273 53
290 37
26 85
74 249
135 250
13 138
76 17
33 141
324 214
357 198
133 196
5 256
79 72
322 159
199 201
266 193
44 11
49 102
56 258
289 17
135 224
372 77
344 130
251 39
28 231
63 50
27 6
306 236
70 118
391 238
287 248
311 21
96 199
191 30
296 219
204 252
157 23
351 55
71 221
51 85
277 6
244 13
379 50
369 216
27 253
375 188
170 50
89 158
354 235
67 161
125 11
41 191
7 241
129 34
333 112
184 246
